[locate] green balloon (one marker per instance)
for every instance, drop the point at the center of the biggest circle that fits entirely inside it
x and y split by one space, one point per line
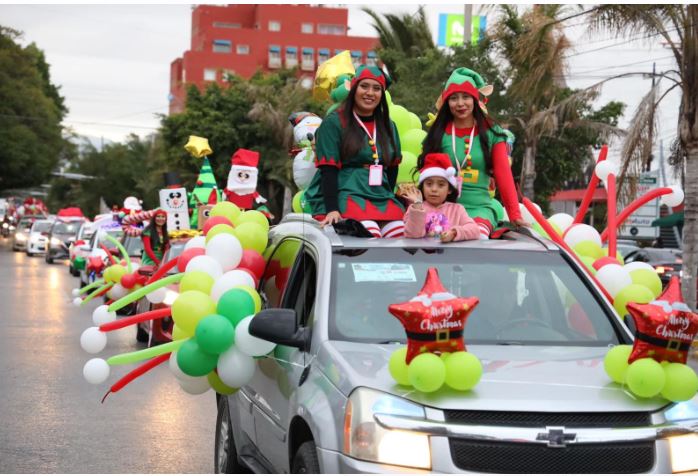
388 98
252 236
645 378
415 123
196 281
616 362
648 279
427 372
589 248
412 140
589 263
296 204
406 168
218 229
215 334
235 305
398 367
400 116
193 361
681 382
189 308
463 371
225 209
253 216
631 293
217 384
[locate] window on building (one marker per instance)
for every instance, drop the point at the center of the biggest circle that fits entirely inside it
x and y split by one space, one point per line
274 57
291 56
323 54
306 28
274 25
222 46
356 57
331 29
209 74
337 51
184 75
223 24
308 59
242 49
371 58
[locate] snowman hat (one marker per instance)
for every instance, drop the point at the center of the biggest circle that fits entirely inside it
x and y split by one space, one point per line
243 158
438 165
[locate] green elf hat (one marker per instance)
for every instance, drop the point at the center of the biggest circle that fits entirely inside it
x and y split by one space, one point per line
465 80
371 72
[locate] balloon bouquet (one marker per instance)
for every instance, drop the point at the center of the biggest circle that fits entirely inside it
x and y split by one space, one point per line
665 327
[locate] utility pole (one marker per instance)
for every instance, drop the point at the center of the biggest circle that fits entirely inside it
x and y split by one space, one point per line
648 165
467 23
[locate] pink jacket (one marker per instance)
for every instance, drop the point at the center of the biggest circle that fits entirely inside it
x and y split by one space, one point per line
432 221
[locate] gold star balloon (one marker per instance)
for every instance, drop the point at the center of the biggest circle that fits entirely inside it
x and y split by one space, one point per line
328 72
198 146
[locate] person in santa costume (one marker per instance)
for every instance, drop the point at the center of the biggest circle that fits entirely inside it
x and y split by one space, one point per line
434 211
242 180
477 148
357 153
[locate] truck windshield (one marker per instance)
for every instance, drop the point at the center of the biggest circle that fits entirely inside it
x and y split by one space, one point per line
526 297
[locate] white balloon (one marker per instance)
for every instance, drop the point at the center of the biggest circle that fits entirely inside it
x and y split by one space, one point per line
118 291
206 264
562 220
77 301
194 385
673 199
304 168
635 265
96 371
235 368
134 266
157 296
196 242
76 292
93 341
526 215
101 315
174 367
226 249
613 278
249 344
604 168
229 280
581 232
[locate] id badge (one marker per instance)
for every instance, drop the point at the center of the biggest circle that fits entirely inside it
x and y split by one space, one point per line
459 181
375 175
469 175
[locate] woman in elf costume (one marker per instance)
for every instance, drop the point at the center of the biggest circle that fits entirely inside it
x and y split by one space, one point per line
155 239
357 152
477 147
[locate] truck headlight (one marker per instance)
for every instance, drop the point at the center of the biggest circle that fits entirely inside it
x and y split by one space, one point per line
366 440
56 242
684 453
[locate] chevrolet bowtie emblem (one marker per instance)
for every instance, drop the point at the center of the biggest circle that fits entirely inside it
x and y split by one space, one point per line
556 436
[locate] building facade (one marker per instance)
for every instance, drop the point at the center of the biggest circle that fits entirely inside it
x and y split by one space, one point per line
242 39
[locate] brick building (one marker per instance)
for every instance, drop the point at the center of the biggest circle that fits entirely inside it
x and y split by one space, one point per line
242 39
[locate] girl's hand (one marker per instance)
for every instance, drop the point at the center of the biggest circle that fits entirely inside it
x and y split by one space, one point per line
331 218
413 195
449 236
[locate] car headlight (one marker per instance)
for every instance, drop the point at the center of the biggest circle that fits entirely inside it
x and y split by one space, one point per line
56 242
684 453
20 236
5 225
365 439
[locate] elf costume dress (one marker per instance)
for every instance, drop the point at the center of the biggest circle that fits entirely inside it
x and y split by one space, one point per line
355 198
465 150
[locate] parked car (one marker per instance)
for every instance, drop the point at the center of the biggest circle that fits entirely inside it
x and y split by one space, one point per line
37 242
96 258
326 403
62 234
76 252
625 247
21 234
666 261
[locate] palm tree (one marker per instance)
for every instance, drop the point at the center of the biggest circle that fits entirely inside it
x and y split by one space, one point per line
677 27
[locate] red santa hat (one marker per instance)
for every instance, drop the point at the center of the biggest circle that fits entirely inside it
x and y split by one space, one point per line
245 158
438 165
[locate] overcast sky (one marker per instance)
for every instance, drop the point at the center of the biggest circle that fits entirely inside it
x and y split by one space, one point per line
112 61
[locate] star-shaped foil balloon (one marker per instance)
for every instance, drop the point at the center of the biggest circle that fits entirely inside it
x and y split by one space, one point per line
434 320
665 327
328 72
198 147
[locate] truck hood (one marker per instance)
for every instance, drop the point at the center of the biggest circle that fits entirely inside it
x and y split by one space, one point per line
515 378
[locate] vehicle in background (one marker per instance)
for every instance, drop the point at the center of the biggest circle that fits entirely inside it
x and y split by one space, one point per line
62 234
21 234
4 215
159 331
625 247
37 241
666 261
76 254
96 258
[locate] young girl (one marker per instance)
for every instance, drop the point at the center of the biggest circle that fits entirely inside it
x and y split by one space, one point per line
438 214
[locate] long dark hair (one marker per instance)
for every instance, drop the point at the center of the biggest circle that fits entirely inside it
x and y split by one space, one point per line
354 136
432 143
151 230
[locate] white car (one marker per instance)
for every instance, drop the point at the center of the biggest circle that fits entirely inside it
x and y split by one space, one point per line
38 237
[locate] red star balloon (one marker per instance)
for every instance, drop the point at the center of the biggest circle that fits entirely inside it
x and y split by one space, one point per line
434 320
665 327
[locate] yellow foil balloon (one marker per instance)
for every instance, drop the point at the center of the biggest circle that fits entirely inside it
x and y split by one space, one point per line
198 146
328 72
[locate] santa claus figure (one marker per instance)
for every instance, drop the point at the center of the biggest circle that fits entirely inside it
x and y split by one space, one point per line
242 180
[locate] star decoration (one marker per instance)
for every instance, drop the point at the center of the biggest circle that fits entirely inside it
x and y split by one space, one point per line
198 147
665 327
434 320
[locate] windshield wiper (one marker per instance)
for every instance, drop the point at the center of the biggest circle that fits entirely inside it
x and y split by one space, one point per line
512 342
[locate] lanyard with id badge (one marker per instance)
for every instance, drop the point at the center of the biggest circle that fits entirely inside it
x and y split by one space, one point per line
375 171
466 172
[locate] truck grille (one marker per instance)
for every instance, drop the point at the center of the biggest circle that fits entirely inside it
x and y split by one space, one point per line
543 419
495 457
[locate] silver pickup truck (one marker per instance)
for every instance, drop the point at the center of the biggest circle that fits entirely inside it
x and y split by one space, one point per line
324 402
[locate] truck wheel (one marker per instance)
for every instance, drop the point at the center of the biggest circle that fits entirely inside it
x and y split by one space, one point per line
226 456
305 460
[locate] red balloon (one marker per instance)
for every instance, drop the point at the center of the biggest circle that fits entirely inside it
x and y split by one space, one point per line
129 280
601 262
253 262
213 221
186 256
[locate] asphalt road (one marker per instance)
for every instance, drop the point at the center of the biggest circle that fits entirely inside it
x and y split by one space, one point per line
51 419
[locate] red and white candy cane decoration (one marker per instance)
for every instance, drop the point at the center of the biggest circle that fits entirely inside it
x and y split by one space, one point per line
129 222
